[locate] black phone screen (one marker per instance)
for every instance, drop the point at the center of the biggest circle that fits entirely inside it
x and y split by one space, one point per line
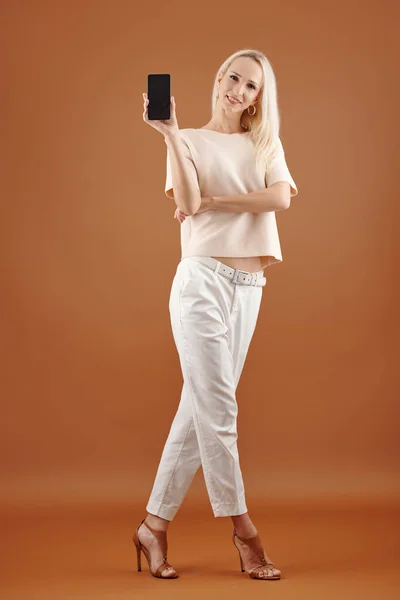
159 95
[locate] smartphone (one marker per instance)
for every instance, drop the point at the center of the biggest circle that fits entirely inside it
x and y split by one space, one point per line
159 95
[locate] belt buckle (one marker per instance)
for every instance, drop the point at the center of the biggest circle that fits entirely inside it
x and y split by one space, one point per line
236 275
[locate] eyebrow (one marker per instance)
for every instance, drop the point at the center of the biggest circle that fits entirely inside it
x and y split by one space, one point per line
249 79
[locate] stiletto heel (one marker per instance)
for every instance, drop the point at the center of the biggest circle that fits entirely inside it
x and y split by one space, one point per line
138 551
255 544
240 556
161 537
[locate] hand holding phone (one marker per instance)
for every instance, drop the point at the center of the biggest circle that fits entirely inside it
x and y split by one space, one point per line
159 107
165 126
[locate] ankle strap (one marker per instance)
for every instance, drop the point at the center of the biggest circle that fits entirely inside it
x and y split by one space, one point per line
245 538
255 544
161 537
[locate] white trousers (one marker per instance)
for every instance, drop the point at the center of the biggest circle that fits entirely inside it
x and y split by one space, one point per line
213 320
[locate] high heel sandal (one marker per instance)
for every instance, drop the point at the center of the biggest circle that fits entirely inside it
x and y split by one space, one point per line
161 537
254 543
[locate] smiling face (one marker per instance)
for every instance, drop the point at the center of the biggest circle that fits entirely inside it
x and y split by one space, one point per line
243 81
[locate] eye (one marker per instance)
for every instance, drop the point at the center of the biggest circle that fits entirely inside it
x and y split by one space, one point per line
250 84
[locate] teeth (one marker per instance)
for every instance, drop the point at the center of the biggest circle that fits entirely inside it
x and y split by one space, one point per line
233 100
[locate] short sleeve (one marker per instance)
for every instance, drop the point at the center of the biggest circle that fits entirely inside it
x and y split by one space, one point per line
278 170
192 170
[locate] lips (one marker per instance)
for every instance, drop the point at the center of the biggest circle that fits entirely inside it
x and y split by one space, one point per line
234 98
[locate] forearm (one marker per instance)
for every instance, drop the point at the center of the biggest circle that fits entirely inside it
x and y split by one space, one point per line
187 196
264 200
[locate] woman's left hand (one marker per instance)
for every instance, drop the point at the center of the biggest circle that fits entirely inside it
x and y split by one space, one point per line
181 216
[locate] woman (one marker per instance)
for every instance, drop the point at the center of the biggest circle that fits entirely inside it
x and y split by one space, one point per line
228 179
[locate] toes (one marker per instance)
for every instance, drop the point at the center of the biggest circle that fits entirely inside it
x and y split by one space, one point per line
168 572
261 574
266 573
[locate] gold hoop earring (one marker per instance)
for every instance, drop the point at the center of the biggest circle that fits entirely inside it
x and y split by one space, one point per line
255 110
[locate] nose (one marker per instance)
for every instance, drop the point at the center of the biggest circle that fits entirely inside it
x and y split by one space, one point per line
238 94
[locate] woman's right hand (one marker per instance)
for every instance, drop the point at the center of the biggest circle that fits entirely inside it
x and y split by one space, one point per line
164 126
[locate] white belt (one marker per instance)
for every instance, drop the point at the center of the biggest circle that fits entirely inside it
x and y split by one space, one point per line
236 275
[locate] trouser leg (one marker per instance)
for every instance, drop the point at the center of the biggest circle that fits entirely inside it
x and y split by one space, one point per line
178 465
213 323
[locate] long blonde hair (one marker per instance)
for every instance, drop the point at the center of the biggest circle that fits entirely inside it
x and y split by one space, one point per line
263 127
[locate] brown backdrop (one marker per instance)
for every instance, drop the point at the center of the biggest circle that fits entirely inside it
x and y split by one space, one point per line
90 375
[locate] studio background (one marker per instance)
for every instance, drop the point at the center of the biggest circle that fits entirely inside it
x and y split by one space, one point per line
90 376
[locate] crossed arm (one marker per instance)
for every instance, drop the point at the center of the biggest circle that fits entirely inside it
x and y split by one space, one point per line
274 198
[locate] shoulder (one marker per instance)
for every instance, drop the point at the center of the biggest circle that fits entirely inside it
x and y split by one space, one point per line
193 139
188 134
277 150
187 130
277 144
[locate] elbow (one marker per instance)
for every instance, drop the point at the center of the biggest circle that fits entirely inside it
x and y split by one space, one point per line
189 208
283 203
193 212
281 190
285 196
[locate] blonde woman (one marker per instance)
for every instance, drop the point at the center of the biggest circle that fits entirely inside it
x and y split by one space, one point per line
227 178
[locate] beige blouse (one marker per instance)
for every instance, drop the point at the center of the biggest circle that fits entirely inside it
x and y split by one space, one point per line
224 164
